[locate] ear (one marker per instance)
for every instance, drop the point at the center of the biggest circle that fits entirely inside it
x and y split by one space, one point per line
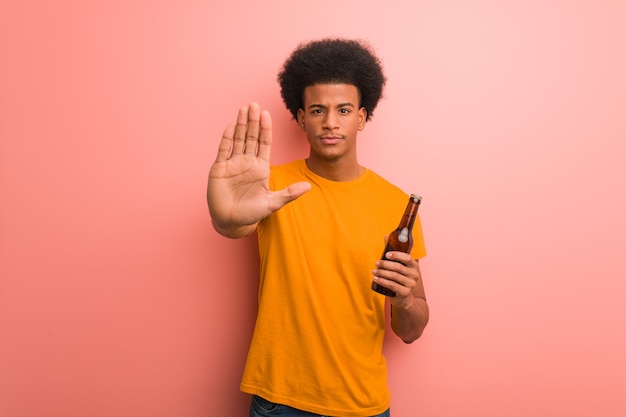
362 118
301 119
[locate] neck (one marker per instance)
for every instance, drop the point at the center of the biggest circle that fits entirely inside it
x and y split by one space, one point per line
335 170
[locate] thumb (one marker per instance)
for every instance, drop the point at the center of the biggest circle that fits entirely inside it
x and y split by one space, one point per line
290 193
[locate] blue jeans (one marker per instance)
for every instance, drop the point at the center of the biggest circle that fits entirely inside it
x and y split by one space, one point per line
260 407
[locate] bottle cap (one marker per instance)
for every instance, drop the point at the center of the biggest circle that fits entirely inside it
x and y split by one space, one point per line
416 198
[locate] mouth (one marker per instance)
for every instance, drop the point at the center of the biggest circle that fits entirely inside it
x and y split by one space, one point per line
330 140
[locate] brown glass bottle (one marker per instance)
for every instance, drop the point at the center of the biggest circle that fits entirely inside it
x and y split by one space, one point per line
401 239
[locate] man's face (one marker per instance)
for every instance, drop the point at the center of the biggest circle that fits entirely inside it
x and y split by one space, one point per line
331 119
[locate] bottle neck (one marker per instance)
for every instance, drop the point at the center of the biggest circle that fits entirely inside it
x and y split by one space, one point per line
410 213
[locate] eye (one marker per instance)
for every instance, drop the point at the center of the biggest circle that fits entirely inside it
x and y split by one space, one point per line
344 111
317 111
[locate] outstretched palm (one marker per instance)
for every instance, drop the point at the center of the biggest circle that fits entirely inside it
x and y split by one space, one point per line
238 191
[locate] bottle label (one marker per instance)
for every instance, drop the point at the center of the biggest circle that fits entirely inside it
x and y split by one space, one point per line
404 235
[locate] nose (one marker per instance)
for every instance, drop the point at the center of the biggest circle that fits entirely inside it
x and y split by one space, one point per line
330 121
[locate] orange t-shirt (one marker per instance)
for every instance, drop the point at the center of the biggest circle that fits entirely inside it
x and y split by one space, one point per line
317 343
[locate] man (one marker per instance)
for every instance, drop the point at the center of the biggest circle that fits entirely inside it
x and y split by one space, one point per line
321 223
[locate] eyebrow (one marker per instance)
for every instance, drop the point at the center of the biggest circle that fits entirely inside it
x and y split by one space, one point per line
348 104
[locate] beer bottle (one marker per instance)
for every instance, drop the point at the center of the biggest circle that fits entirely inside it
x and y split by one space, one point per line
401 239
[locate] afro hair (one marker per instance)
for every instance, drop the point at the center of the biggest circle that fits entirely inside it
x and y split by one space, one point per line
332 61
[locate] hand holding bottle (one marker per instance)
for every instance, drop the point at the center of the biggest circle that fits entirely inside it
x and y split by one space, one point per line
400 240
399 274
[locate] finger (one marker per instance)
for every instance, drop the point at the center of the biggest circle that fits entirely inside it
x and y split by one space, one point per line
390 284
394 271
239 138
287 195
252 133
398 256
392 280
226 144
389 270
265 136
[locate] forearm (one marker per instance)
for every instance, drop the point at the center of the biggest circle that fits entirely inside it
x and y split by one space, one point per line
409 321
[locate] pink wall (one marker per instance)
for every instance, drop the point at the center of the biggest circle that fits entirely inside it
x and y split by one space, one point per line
118 299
